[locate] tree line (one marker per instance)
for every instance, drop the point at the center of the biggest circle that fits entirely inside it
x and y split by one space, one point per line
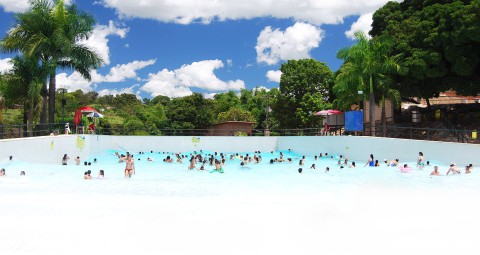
416 48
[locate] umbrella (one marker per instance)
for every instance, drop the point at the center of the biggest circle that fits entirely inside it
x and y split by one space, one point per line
328 112
95 115
84 109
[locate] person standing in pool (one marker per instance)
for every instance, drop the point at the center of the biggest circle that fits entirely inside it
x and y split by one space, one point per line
129 166
65 159
420 160
370 161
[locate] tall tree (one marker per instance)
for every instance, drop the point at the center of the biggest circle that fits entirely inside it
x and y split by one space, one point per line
366 62
24 84
304 88
440 43
53 33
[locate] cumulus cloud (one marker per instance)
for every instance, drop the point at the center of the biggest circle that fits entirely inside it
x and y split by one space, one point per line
98 41
114 92
19 5
274 75
126 71
186 12
364 24
177 83
14 5
117 73
295 42
5 65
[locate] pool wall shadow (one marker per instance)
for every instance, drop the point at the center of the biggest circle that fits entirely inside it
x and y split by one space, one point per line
50 149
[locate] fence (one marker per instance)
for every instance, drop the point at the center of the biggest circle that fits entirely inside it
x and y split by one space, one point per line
406 132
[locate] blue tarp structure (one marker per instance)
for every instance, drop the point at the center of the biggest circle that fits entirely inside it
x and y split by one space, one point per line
354 121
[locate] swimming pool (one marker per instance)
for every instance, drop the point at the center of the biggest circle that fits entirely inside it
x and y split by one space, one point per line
258 209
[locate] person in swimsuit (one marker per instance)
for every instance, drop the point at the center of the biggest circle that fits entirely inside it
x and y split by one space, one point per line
420 160
65 159
453 169
435 171
129 166
370 161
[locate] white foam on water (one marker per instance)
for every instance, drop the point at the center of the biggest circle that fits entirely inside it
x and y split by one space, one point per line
264 209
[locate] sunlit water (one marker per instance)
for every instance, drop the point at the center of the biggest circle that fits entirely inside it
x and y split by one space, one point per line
254 209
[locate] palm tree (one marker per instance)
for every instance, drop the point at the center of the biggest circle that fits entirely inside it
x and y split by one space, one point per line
366 61
23 84
52 33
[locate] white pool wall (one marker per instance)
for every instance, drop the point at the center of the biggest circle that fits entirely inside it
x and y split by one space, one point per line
50 149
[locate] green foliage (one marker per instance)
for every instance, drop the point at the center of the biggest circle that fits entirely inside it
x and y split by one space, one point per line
368 65
189 112
52 35
304 88
235 114
440 43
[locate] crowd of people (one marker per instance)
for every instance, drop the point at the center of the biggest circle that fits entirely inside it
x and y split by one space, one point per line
215 161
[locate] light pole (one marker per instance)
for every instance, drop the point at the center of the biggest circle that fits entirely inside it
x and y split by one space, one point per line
267 111
64 102
362 105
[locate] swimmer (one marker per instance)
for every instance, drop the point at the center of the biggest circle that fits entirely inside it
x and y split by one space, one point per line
435 171
313 166
453 168
65 159
393 162
87 175
149 159
129 166
22 173
352 165
420 160
192 163
77 160
370 161
300 170
2 172
101 174
377 163
467 170
10 158
327 169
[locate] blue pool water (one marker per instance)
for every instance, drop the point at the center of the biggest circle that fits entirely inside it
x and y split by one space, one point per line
174 179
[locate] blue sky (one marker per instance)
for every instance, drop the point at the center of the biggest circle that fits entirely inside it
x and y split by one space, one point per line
175 48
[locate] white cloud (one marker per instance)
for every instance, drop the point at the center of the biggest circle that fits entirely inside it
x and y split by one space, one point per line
114 92
98 41
177 83
5 65
117 73
14 5
274 75
126 71
364 24
185 12
295 43
19 5
209 95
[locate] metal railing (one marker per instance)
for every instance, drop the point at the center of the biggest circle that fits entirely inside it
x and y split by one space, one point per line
406 132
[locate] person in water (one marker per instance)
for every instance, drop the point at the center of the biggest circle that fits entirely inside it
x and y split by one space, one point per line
129 166
420 160
101 174
370 162
453 169
435 171
65 159
87 175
